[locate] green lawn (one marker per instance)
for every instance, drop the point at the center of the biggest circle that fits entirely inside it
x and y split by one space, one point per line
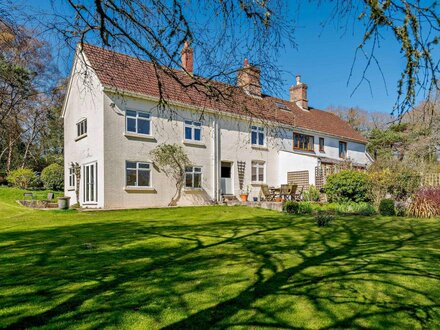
214 267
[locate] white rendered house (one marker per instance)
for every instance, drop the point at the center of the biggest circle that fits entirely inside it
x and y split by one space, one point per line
112 122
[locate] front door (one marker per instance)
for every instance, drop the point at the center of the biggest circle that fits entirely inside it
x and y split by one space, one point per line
226 178
90 192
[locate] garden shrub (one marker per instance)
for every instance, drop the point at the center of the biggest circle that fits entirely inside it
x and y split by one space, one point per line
21 178
53 177
347 186
363 208
426 203
386 207
291 207
391 177
312 194
305 208
323 219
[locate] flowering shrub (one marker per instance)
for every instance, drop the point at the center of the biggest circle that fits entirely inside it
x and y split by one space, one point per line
426 203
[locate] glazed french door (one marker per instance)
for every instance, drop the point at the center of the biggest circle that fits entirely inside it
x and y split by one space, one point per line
90 182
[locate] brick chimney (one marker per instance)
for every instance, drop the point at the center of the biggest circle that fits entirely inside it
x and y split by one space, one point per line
248 78
298 94
187 57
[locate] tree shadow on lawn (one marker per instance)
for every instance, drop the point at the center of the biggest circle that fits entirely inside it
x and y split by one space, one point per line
266 271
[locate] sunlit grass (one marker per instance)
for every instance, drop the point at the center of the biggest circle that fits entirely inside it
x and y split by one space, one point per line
220 267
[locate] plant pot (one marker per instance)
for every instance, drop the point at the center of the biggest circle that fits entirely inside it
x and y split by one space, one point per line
63 203
244 197
279 200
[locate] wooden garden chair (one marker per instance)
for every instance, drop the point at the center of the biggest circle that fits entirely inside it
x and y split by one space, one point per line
293 190
285 191
267 195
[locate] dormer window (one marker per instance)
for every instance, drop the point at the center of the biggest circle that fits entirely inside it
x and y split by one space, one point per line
257 136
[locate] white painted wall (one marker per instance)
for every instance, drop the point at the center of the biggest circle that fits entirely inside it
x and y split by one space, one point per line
84 100
109 145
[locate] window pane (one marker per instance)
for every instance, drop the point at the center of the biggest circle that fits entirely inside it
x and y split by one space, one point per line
78 131
261 174
188 122
188 180
85 127
197 124
188 135
254 173
254 137
198 180
197 135
144 178
197 169
143 115
144 166
131 113
261 138
143 126
131 177
131 165
131 125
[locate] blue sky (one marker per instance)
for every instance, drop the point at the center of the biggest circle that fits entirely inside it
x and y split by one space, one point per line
324 56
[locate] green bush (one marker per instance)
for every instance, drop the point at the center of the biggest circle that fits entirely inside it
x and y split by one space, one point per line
53 177
347 186
323 219
291 207
363 208
386 207
21 178
312 194
305 208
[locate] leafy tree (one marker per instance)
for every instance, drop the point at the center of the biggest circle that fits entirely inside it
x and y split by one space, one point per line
21 178
172 160
53 177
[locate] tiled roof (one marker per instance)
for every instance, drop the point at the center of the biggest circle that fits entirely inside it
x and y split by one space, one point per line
126 73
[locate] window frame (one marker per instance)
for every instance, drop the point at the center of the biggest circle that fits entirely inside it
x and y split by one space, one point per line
321 145
259 165
257 130
193 126
193 173
138 118
137 169
72 178
81 128
90 197
343 156
299 135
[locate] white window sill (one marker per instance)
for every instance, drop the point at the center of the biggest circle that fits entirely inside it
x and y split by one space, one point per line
257 183
80 137
70 189
194 143
259 147
89 204
192 190
140 136
140 189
